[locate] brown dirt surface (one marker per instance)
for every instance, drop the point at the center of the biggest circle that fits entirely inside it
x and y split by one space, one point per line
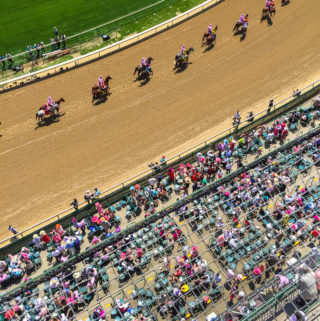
43 169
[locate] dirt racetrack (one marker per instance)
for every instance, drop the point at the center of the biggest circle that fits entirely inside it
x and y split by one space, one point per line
43 169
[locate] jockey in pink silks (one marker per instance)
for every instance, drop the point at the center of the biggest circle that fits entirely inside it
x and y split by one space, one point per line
49 103
210 28
183 53
145 63
268 4
101 83
241 20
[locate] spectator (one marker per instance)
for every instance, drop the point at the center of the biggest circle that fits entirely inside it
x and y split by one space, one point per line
97 192
10 60
55 31
45 238
296 93
58 42
31 54
298 316
307 284
13 230
163 160
250 116
64 38
87 197
37 46
43 50
75 204
270 106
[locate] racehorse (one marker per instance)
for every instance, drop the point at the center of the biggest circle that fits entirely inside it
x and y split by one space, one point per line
238 25
145 74
98 93
54 110
210 38
139 69
267 11
182 61
284 2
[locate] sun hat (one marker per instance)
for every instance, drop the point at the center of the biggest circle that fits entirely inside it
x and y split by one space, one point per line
256 271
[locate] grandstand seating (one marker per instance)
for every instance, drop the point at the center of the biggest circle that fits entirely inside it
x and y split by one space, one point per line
126 274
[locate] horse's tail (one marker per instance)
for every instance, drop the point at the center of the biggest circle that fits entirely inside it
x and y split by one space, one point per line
135 71
36 116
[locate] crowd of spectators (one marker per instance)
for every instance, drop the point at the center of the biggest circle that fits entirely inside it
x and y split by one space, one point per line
244 201
36 51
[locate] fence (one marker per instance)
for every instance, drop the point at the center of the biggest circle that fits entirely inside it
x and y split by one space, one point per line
114 28
119 190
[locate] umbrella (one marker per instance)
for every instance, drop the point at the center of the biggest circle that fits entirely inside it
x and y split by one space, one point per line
256 271
137 186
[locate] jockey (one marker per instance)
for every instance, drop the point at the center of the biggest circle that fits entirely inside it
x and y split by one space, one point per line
211 30
268 4
49 103
146 64
241 20
246 18
183 53
101 83
271 4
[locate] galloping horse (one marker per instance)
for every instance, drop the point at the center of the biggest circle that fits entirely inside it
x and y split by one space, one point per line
54 110
145 74
210 38
98 93
268 11
139 69
182 61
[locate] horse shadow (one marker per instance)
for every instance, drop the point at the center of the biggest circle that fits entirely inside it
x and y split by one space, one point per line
268 18
209 48
101 101
143 83
285 3
49 121
182 68
243 36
